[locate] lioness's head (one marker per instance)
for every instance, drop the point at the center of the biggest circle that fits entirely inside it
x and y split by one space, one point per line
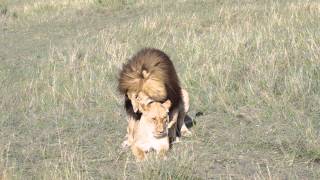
157 113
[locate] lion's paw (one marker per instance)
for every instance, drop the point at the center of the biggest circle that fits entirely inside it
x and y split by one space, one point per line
185 132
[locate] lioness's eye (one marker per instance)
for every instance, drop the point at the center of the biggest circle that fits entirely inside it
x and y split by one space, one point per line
154 118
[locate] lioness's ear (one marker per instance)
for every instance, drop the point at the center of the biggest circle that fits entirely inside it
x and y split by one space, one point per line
167 104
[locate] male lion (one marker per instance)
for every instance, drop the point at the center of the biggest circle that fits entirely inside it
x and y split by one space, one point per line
150 75
151 131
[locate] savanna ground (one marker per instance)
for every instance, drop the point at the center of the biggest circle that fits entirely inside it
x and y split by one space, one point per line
252 67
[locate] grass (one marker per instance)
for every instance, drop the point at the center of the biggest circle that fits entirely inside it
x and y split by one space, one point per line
252 68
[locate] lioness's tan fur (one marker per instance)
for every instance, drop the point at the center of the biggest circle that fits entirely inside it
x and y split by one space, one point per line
142 100
151 131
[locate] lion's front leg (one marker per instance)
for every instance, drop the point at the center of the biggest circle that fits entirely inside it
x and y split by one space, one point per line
184 108
181 125
172 132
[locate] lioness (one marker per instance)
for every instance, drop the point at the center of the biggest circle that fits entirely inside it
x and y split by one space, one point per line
151 132
177 123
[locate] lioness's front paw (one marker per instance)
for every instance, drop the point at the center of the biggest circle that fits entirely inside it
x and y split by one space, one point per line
138 160
162 154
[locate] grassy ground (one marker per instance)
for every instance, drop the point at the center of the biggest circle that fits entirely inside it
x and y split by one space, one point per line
252 67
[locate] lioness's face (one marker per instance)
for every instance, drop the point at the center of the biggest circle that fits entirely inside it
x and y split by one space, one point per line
157 113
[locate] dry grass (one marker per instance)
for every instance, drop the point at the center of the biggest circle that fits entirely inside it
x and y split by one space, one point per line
252 68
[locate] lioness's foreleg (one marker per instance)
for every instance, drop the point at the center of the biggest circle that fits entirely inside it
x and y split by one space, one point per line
162 153
138 153
132 118
132 123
